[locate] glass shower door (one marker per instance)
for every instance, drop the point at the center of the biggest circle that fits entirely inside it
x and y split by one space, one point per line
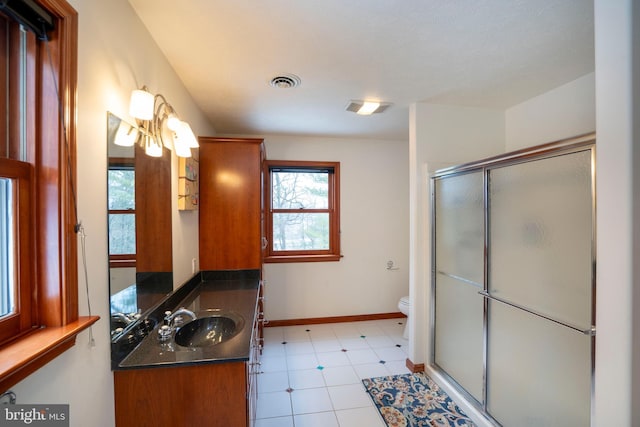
459 267
540 287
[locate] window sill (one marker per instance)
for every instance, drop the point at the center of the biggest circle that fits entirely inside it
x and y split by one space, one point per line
22 357
301 258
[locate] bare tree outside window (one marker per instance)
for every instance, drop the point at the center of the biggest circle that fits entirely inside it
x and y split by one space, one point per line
301 193
303 219
122 217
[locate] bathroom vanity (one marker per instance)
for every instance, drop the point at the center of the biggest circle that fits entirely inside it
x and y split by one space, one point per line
199 383
183 374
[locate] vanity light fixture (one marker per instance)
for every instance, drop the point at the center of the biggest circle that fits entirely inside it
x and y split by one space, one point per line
126 134
366 108
159 125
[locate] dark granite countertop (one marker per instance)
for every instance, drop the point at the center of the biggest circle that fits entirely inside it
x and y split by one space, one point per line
223 291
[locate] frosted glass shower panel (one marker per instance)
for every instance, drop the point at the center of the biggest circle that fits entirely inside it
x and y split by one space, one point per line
459 265
538 372
458 333
540 234
459 218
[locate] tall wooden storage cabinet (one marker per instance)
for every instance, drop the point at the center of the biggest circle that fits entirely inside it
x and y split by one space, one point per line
231 203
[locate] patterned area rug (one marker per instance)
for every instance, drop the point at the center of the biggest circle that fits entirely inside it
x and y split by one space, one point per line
414 400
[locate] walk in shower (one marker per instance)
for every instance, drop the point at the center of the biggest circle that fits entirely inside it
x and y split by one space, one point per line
513 306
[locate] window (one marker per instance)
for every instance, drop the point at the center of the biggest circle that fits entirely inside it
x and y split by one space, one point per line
122 212
16 206
303 215
38 246
16 275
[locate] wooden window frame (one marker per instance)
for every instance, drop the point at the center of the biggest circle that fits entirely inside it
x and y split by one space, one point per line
51 151
23 318
333 253
122 260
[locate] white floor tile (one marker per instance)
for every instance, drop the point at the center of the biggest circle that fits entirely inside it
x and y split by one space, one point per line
273 381
371 370
299 347
273 364
275 422
400 340
345 330
276 404
349 396
370 329
311 400
397 367
360 417
299 362
326 345
325 382
321 332
358 357
355 343
390 353
380 341
273 350
308 378
340 375
318 419
333 358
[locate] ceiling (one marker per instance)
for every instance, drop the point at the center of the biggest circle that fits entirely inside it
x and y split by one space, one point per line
481 53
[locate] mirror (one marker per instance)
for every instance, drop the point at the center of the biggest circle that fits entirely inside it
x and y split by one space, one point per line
139 226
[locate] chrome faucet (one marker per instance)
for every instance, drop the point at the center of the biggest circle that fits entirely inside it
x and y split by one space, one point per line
177 316
121 316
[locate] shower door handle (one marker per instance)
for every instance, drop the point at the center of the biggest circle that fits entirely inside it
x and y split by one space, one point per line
590 331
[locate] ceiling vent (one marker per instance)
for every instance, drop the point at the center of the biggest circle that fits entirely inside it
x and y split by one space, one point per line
285 81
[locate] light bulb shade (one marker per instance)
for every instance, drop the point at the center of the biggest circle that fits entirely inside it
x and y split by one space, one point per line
186 136
126 135
141 105
173 122
152 148
166 135
182 149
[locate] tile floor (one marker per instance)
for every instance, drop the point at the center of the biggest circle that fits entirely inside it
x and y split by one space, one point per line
311 374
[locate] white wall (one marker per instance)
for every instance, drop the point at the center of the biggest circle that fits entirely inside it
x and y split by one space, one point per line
374 190
116 55
564 112
618 238
440 135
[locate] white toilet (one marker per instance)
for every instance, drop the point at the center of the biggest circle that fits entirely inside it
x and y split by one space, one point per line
404 305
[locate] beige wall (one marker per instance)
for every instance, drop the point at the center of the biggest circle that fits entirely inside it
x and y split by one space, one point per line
564 112
618 238
374 196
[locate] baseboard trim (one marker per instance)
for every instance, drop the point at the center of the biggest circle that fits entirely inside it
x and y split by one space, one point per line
414 367
334 319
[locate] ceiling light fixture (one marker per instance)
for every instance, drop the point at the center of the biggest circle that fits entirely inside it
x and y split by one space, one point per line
366 108
159 125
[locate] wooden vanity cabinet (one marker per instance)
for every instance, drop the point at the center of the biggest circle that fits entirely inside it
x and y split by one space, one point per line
220 394
231 203
253 369
205 395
